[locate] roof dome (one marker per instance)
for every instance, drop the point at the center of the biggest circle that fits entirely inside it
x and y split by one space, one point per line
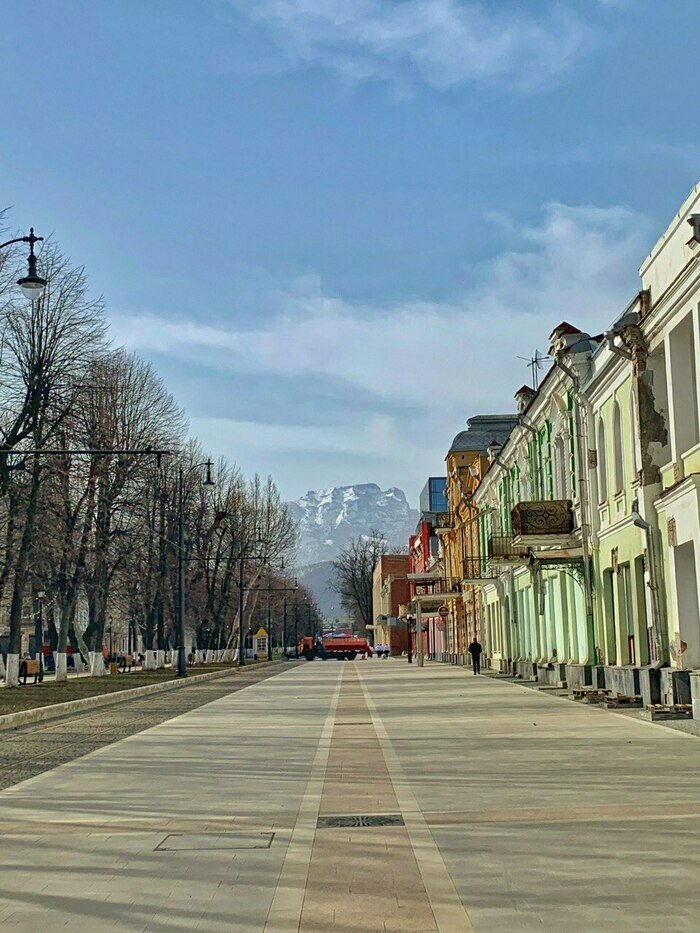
482 430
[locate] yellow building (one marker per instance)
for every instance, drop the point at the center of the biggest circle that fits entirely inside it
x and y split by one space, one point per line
467 460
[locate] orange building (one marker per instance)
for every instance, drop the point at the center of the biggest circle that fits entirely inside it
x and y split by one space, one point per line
390 589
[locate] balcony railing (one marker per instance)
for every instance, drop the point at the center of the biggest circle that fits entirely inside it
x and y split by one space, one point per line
502 549
437 588
543 519
478 570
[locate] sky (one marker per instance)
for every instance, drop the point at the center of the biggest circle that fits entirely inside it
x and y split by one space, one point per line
334 226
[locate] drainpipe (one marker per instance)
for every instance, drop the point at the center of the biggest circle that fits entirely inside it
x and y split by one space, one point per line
658 617
582 478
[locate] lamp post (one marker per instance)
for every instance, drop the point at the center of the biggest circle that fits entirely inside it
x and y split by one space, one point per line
208 481
32 284
243 555
296 625
296 629
39 630
278 589
284 627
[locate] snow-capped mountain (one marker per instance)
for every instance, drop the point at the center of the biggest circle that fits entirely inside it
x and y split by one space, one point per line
329 518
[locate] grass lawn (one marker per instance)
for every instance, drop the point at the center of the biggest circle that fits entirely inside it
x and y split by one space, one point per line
48 693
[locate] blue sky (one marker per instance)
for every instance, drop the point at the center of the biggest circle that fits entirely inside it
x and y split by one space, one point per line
334 225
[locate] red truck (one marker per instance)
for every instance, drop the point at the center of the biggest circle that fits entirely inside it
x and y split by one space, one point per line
340 647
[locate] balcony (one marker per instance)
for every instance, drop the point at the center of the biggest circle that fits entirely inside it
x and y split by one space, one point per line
503 549
543 523
478 570
443 522
429 589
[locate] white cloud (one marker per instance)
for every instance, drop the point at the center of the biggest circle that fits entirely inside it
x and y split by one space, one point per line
440 42
450 359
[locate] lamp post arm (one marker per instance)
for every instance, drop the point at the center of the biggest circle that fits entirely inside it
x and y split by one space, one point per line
31 239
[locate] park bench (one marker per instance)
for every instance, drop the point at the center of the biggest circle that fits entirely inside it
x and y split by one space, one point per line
126 662
30 668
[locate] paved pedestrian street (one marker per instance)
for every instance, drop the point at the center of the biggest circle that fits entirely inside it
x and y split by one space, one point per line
495 808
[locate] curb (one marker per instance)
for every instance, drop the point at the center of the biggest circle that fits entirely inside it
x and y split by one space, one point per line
55 711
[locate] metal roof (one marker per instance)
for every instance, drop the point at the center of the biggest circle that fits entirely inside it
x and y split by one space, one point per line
482 430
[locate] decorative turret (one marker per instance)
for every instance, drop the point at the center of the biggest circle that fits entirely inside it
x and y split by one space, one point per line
523 397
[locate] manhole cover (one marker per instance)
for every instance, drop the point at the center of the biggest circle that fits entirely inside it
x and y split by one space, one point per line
202 842
386 819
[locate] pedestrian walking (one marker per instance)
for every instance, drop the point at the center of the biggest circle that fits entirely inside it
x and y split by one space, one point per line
475 651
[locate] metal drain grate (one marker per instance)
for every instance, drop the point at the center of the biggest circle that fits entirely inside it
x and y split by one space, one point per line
204 842
356 821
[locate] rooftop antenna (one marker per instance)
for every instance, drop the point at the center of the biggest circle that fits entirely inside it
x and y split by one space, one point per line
535 364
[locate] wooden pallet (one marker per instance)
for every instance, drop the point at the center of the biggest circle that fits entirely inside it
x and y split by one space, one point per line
596 696
656 712
619 700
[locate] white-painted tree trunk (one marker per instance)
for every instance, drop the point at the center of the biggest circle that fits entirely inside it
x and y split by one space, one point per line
97 664
2 666
61 662
160 659
151 661
12 671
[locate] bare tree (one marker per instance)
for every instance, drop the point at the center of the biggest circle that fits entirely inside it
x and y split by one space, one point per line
98 532
45 350
354 569
127 408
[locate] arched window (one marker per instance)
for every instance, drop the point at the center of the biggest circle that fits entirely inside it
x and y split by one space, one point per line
602 463
617 446
562 468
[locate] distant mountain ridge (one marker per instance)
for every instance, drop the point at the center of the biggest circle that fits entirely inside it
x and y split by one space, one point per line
329 518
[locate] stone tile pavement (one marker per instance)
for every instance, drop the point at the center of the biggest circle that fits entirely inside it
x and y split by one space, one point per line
520 812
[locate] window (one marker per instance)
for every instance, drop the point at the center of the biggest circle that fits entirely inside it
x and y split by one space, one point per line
617 448
561 463
602 464
438 498
684 386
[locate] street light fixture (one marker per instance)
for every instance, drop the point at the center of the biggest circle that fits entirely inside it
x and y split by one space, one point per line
32 284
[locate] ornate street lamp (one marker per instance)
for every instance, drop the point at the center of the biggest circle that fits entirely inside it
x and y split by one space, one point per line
32 284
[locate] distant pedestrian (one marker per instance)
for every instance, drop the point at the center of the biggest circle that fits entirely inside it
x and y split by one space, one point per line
475 651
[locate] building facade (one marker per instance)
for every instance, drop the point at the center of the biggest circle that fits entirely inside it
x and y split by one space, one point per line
589 512
466 460
390 590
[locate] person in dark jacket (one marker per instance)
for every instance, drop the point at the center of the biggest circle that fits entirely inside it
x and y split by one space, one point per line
475 651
